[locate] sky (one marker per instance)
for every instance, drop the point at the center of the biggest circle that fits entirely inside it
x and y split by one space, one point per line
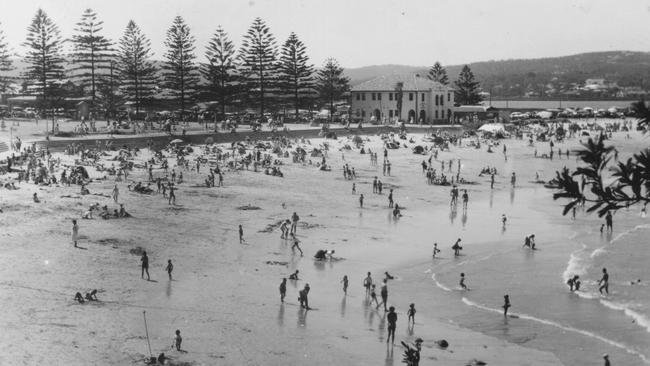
371 32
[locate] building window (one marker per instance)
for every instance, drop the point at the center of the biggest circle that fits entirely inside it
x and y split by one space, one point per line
374 96
363 96
358 113
449 97
390 113
436 99
442 99
378 96
410 96
363 113
442 113
390 96
422 97
436 114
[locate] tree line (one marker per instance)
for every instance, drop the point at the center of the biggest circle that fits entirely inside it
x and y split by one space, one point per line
258 74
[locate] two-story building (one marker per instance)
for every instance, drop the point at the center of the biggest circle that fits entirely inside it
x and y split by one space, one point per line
423 100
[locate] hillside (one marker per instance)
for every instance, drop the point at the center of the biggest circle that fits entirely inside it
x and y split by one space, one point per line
513 78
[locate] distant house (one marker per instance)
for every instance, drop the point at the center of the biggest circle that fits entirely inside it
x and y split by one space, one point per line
423 100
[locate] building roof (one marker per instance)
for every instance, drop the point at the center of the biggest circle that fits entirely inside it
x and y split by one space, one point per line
412 82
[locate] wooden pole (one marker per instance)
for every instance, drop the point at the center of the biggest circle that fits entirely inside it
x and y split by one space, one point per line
146 330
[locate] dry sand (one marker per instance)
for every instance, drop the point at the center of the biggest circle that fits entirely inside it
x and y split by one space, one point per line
224 296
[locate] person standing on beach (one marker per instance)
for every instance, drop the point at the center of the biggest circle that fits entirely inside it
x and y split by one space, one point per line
457 248
283 289
606 358
241 234
178 340
384 294
145 265
116 193
513 179
344 281
169 268
492 181
367 283
465 199
284 229
75 232
294 222
304 297
392 324
361 200
172 196
411 313
296 244
604 282
506 305
354 188
373 296
390 199
609 222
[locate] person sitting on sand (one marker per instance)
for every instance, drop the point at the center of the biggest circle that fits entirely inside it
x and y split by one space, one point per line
104 214
88 215
322 254
294 276
79 298
35 198
123 212
84 190
396 211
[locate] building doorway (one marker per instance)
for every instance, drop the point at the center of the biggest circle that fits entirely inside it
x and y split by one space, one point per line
411 118
376 114
423 117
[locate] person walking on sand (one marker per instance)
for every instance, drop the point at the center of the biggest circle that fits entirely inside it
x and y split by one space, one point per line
367 283
116 193
75 232
462 282
283 289
373 296
344 281
145 265
241 234
606 358
506 305
296 244
392 324
169 268
361 200
604 282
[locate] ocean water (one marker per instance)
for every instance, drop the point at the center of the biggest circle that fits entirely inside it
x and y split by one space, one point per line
552 104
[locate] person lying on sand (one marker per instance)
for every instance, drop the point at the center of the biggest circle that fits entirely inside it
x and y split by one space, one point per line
92 295
79 298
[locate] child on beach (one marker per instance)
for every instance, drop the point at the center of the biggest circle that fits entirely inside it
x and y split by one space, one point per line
462 282
457 248
604 282
435 249
411 313
169 268
344 281
177 340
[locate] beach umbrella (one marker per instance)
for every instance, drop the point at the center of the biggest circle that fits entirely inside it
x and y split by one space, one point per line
176 141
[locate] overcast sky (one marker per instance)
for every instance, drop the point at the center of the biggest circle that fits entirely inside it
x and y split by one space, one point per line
372 32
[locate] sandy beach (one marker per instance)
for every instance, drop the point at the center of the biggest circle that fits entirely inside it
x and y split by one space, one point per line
224 296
